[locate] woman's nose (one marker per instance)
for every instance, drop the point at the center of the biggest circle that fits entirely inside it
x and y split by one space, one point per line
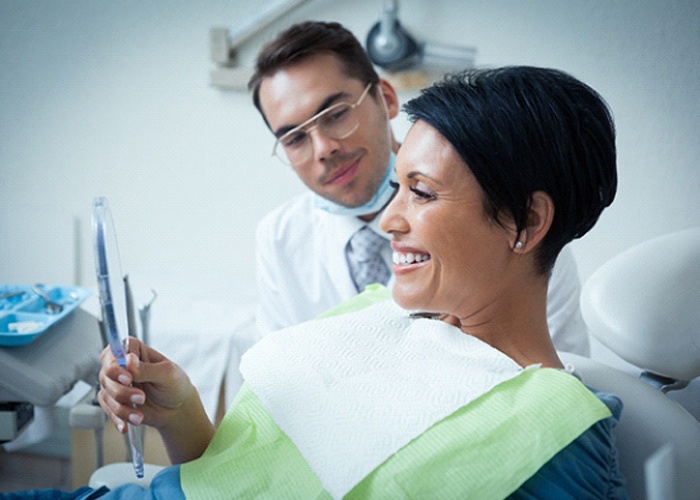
392 219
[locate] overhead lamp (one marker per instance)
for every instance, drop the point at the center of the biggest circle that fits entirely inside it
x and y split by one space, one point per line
392 48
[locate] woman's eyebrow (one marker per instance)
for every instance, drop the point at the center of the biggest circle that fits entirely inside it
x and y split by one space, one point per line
417 173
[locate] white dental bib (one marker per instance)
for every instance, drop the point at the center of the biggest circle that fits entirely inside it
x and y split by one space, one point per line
351 390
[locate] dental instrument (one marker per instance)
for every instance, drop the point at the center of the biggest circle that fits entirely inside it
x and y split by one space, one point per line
51 306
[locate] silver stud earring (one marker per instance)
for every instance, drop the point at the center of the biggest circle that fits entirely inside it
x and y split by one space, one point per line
518 245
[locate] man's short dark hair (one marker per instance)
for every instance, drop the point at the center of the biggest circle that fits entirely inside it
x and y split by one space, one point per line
303 40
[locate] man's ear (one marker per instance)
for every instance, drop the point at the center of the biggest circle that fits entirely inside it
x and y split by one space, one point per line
539 220
390 98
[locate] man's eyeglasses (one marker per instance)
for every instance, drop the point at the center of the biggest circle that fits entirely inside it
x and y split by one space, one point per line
337 121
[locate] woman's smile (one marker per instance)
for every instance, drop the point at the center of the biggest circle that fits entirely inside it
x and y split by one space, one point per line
407 259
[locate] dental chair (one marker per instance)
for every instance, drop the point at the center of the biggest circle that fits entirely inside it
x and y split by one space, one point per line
644 305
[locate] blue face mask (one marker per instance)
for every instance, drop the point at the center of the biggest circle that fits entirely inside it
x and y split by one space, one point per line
378 201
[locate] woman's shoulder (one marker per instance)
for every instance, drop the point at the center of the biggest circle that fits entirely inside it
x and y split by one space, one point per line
586 468
610 400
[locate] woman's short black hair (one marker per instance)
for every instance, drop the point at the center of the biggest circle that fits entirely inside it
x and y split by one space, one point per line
523 129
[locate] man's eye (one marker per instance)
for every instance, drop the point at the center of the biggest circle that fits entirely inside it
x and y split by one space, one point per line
293 140
336 115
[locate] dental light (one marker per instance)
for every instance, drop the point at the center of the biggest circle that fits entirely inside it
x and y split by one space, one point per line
391 47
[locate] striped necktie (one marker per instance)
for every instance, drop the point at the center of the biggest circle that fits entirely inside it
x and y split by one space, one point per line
364 256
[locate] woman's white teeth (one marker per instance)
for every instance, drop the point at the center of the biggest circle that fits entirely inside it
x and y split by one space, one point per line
409 258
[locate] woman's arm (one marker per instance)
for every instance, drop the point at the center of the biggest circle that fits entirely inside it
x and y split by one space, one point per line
162 397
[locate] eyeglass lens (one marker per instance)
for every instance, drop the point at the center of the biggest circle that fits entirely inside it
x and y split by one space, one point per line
336 122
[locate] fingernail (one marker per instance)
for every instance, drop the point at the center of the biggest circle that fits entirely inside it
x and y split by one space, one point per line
123 379
135 418
120 426
137 399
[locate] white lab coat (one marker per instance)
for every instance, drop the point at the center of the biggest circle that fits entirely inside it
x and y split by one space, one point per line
302 272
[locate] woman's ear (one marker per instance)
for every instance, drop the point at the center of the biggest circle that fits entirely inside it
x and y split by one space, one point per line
539 220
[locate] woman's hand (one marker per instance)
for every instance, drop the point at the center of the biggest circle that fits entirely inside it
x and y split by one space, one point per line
161 396
162 387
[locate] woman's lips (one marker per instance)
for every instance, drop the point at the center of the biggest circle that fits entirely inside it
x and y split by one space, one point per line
407 259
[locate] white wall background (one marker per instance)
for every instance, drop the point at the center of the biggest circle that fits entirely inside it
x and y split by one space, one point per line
113 98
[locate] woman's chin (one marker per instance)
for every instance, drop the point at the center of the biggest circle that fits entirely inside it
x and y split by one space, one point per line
409 298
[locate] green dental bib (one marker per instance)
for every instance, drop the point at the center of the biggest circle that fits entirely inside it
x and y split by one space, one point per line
486 449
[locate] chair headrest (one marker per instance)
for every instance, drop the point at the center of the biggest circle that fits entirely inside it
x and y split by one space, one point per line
644 304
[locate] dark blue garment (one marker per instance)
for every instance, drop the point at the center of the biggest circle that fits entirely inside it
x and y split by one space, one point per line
587 468
164 486
84 493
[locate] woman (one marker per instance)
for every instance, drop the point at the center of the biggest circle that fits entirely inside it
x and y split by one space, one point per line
499 171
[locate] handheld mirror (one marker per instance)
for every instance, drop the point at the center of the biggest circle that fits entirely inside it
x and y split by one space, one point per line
113 298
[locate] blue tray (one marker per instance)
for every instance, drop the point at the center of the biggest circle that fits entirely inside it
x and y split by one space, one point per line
23 314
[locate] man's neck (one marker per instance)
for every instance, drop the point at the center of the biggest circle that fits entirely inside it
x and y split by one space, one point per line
368 218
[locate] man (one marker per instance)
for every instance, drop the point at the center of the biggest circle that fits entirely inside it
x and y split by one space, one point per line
330 112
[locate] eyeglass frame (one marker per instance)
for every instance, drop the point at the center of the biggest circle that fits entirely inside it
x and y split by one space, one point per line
314 121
